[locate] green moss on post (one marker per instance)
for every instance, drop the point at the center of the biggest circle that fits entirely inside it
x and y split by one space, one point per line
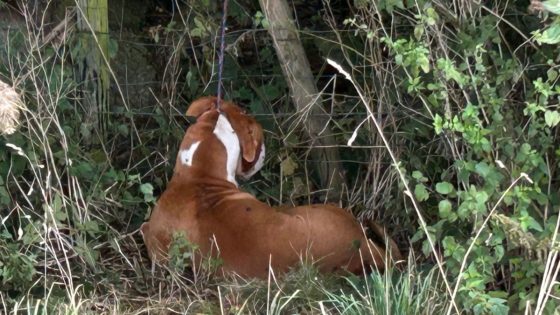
93 57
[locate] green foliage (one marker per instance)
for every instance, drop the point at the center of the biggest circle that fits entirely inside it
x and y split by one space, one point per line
16 268
477 103
181 253
491 140
393 293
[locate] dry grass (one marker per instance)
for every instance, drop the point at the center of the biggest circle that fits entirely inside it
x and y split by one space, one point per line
10 107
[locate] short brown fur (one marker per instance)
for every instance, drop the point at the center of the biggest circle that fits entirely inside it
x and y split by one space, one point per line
250 235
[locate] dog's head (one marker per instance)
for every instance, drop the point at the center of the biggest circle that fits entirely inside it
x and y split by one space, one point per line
248 131
210 148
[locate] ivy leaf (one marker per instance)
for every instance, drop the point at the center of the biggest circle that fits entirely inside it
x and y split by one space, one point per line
551 118
444 188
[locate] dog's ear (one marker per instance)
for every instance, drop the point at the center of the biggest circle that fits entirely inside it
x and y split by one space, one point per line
251 140
249 133
201 105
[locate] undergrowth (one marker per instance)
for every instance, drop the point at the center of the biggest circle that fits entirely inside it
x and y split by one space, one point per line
465 174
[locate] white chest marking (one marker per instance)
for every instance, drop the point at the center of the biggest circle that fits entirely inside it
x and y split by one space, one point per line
186 155
227 136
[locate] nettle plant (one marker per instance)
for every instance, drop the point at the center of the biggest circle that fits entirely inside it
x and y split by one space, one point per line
491 191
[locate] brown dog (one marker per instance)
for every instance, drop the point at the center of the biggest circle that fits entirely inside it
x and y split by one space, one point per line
203 201
248 130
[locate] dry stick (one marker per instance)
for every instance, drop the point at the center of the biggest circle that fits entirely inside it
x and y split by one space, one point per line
401 175
221 303
464 262
549 279
549 275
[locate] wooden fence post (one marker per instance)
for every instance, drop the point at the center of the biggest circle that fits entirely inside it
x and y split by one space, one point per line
93 71
304 93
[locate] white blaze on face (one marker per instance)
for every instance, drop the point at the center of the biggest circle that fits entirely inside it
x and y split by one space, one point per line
186 155
227 136
257 167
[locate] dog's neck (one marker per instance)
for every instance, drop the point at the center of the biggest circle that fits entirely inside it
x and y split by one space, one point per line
213 155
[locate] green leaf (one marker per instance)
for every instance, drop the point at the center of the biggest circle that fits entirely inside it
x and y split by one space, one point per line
551 118
4 196
475 283
31 234
533 224
288 166
113 48
551 35
399 59
426 248
450 71
551 74
148 190
482 169
424 63
421 193
417 175
438 124
58 211
444 188
552 6
444 209
481 197
417 236
499 251
418 31
432 16
123 129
